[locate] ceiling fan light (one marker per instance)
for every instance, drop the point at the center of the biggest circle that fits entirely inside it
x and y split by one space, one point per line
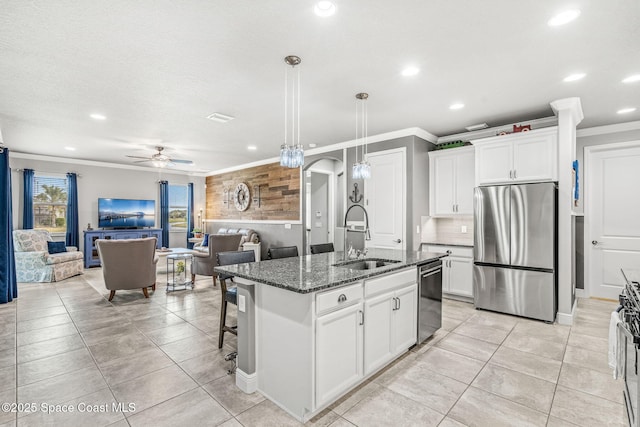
159 163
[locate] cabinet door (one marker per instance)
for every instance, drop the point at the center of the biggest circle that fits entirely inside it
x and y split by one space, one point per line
338 352
446 273
405 322
493 163
534 159
460 276
465 180
443 185
378 349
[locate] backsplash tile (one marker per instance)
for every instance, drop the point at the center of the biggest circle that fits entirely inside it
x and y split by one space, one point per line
447 230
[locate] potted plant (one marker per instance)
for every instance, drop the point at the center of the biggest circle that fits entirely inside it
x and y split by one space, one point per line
180 271
197 232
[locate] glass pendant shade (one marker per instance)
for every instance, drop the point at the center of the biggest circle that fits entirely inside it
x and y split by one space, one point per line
292 155
361 169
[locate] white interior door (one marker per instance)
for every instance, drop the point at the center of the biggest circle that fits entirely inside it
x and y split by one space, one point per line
385 199
612 221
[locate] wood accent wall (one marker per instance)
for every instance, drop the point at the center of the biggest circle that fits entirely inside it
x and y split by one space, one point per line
279 193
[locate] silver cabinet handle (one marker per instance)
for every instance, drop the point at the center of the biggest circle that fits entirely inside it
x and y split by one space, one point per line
398 303
397 241
361 318
342 298
515 173
510 174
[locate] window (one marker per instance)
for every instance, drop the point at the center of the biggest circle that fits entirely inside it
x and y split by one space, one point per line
50 203
178 203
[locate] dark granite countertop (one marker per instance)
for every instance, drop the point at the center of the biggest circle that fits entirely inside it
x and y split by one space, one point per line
312 273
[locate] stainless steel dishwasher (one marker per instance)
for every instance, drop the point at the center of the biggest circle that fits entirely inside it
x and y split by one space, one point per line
430 301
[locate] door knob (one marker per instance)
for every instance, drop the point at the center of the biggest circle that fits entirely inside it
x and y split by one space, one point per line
397 241
594 242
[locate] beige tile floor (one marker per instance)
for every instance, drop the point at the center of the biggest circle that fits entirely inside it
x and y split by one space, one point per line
65 344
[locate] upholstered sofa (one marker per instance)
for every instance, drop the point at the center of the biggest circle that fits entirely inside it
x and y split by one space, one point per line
248 236
34 263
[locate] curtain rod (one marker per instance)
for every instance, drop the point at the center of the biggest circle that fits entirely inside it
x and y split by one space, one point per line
53 173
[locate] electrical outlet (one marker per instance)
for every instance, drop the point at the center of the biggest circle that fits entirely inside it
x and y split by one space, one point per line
463 229
417 229
287 226
242 305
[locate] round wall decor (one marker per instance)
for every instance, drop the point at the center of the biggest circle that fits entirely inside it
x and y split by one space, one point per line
241 197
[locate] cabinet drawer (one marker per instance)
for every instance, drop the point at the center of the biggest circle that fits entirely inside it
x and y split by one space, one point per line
340 297
454 250
390 281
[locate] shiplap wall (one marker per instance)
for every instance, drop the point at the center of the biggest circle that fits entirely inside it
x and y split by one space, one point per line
279 194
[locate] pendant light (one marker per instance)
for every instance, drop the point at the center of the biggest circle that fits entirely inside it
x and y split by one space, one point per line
292 155
362 168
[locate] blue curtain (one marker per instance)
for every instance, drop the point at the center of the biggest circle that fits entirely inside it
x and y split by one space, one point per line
8 284
27 197
164 212
190 214
73 235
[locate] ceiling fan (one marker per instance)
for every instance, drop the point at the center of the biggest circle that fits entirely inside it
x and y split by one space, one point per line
160 160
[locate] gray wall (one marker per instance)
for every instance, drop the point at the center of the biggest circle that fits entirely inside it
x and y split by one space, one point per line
97 181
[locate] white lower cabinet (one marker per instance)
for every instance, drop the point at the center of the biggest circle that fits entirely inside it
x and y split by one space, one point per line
338 352
390 326
457 269
355 341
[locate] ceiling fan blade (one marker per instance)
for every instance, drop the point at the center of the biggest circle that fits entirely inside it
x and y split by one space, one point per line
142 161
138 157
186 162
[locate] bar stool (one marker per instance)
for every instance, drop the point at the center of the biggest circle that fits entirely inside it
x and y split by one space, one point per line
230 295
282 252
321 248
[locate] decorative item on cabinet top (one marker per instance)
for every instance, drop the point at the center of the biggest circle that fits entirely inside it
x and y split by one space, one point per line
452 144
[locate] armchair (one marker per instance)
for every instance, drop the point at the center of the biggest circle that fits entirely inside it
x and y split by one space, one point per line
128 264
204 262
34 263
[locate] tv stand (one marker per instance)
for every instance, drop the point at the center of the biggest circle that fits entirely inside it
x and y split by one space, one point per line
91 258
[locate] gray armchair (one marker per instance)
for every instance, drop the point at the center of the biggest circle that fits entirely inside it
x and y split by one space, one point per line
203 262
128 264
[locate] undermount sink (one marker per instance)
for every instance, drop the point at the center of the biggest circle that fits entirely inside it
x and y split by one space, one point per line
365 264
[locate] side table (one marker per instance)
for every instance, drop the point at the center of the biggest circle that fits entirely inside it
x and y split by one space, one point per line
179 272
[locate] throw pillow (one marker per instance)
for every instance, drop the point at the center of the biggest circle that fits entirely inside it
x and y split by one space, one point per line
205 242
57 247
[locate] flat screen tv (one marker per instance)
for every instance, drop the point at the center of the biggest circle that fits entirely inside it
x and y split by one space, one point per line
126 213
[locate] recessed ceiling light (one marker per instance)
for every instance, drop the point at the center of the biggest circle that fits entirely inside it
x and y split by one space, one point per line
219 117
632 79
410 71
70 148
574 77
563 18
252 147
626 110
324 8
313 145
96 116
456 106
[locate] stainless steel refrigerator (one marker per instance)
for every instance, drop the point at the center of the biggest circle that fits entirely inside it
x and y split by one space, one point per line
515 249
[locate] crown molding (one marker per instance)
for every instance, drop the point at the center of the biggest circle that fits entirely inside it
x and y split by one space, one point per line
19 155
606 129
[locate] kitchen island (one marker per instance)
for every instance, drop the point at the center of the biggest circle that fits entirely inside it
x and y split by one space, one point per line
311 328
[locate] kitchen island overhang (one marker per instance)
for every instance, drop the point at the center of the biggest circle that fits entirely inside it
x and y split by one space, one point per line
301 324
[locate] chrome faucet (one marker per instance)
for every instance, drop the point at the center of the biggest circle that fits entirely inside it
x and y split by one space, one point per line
367 233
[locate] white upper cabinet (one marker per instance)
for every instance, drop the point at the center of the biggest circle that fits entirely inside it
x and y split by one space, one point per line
451 182
519 157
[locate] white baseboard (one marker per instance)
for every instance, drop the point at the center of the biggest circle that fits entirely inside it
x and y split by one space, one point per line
567 318
247 382
581 293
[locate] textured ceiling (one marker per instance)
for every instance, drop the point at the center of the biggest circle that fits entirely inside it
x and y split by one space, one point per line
156 69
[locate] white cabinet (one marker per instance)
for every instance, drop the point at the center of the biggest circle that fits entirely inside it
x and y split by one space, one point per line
457 270
356 338
391 309
451 181
339 341
520 157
